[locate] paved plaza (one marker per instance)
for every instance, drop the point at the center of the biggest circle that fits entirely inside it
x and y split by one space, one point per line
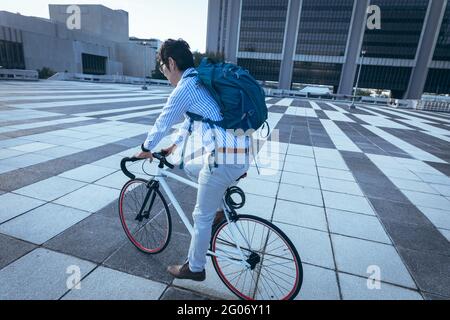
363 194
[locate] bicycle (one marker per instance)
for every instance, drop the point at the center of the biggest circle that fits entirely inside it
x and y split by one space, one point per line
269 267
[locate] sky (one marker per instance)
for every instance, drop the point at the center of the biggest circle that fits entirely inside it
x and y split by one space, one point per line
161 19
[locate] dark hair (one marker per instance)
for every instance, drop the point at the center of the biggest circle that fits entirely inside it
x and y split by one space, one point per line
179 51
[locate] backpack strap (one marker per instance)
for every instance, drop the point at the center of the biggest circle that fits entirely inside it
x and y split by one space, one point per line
185 144
196 117
212 124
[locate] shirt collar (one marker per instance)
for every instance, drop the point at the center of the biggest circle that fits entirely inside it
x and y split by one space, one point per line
188 72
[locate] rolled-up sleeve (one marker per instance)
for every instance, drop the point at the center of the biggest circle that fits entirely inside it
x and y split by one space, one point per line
177 105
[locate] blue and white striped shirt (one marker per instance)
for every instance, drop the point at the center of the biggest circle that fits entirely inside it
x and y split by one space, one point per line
191 96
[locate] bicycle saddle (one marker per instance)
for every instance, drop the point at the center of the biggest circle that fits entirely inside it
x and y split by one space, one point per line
242 177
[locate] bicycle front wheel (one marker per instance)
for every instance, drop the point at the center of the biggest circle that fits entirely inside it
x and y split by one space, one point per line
274 270
145 216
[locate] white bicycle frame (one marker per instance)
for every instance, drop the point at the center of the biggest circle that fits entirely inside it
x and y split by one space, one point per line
160 177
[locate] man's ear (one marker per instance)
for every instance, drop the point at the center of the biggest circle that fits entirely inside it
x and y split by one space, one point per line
172 64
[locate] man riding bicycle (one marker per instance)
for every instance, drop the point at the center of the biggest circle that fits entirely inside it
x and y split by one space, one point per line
214 172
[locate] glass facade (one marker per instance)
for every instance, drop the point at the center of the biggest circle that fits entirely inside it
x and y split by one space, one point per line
323 31
11 55
263 25
324 27
438 81
264 70
385 77
401 27
442 51
93 64
317 73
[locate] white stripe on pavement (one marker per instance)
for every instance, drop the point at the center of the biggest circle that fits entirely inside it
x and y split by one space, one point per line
81 103
98 113
339 138
409 148
62 97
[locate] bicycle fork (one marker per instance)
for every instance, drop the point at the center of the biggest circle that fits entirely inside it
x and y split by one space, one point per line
231 215
151 193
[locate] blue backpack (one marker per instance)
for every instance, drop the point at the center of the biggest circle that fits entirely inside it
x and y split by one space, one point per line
240 97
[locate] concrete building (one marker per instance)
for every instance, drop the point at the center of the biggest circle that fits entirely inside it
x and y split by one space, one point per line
319 42
100 46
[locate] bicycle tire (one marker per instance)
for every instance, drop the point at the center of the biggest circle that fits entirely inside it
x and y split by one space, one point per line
126 223
293 292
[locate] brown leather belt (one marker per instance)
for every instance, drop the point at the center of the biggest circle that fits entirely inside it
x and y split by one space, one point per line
233 150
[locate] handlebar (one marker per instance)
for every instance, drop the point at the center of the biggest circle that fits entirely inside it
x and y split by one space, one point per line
161 156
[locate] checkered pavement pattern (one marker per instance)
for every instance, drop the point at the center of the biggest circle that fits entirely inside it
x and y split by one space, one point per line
364 195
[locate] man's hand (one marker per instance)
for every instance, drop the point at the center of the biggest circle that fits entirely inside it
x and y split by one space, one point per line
170 150
144 155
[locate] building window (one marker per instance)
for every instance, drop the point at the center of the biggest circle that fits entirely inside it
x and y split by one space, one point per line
401 27
263 25
438 81
93 64
11 55
395 79
324 27
263 70
442 51
317 73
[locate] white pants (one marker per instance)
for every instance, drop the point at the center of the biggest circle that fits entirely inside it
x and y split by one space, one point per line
213 182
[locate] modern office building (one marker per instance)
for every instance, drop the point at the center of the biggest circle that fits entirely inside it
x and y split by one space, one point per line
325 42
101 45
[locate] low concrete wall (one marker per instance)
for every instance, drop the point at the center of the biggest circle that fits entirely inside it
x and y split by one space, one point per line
13 74
438 106
67 76
334 97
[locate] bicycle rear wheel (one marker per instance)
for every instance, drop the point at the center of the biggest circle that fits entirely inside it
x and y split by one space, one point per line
145 216
275 271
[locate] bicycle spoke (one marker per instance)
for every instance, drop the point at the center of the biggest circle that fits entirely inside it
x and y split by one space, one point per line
229 264
272 268
282 245
281 265
274 256
256 285
251 241
276 283
268 284
248 229
245 278
238 276
231 273
151 234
